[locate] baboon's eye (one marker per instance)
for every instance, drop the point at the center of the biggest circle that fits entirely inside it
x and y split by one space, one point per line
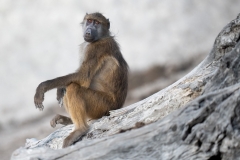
96 22
89 20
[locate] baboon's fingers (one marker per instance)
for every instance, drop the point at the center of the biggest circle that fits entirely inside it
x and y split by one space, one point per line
60 93
60 102
54 122
38 99
39 106
58 119
36 105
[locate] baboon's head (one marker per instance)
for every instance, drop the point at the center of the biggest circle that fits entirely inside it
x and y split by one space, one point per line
95 27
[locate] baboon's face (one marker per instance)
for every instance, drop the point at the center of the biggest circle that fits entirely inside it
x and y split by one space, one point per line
92 30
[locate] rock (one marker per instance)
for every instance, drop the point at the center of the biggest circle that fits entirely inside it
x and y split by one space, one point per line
197 117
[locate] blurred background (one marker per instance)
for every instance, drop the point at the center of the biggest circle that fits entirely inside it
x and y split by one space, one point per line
161 40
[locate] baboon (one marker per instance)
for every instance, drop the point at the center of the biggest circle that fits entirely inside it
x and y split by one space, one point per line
99 84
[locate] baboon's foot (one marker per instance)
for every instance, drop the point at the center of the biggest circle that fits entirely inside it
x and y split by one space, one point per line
73 137
59 119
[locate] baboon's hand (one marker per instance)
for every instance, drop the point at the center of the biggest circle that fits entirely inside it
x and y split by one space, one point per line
38 98
60 94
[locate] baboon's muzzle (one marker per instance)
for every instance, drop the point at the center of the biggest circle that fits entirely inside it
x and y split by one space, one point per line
90 34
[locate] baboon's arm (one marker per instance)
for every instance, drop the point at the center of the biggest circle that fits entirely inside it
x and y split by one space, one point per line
58 82
82 77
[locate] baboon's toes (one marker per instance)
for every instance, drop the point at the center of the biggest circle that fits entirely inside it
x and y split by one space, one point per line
73 137
53 123
67 142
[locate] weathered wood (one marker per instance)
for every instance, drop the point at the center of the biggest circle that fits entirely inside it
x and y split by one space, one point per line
208 127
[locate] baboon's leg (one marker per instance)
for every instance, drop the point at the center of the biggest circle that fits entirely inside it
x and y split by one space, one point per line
98 104
84 103
76 108
60 119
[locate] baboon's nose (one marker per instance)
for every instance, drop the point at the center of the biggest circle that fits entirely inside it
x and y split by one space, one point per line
88 32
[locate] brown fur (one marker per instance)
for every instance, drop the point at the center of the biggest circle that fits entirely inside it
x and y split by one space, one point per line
99 17
99 85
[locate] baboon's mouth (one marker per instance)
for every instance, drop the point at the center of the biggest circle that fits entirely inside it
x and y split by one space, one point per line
88 39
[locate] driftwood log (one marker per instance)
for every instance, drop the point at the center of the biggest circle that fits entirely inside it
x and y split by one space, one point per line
197 117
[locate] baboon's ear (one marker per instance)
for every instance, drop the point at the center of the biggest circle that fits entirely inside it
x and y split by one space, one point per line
108 24
86 13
